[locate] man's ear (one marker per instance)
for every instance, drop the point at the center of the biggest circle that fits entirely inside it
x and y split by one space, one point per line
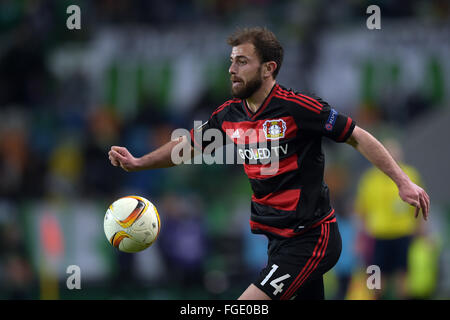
269 68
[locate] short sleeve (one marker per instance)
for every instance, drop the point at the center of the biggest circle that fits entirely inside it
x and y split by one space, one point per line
321 119
201 138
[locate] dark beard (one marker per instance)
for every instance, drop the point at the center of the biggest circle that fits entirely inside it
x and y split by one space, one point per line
246 92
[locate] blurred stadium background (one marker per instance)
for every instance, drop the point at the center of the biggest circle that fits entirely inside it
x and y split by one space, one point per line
139 69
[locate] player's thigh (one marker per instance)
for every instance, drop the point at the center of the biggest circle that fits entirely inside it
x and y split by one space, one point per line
297 265
254 293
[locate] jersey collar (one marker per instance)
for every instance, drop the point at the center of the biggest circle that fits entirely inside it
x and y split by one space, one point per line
264 105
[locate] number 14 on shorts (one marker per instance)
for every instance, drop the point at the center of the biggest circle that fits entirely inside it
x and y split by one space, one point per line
276 283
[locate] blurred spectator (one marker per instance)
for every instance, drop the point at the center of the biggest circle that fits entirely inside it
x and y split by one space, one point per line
24 77
103 132
13 159
423 265
337 178
16 272
348 261
66 163
390 222
183 241
18 278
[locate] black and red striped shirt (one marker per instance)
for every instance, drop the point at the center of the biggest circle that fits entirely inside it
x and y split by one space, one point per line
281 150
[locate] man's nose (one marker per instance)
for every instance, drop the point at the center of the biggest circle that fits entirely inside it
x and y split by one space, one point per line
232 69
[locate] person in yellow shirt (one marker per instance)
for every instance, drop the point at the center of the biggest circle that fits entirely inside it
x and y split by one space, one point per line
389 221
423 265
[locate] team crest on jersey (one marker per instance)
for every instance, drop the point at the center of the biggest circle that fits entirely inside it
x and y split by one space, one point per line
274 129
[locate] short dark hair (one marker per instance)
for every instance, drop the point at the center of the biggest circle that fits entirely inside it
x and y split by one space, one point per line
266 44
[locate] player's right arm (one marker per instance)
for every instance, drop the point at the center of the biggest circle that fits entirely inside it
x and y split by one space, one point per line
173 152
159 158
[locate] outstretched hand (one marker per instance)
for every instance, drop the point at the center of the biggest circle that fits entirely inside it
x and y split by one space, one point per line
120 156
417 197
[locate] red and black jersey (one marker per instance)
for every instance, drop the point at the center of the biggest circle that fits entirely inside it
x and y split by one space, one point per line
281 149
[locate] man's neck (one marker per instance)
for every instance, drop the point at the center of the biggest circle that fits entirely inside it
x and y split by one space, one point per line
256 100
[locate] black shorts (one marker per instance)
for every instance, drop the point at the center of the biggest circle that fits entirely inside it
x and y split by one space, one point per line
391 255
296 266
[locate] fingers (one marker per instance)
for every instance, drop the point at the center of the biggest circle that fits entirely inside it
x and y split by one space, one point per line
424 208
419 205
425 204
414 203
427 198
416 213
117 159
417 197
121 150
120 156
114 162
117 156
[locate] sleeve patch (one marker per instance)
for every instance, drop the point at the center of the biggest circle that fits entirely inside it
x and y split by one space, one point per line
331 120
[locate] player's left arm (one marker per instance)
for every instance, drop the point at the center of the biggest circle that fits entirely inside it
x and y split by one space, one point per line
377 154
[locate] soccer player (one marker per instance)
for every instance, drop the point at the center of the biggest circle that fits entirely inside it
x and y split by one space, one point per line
291 204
